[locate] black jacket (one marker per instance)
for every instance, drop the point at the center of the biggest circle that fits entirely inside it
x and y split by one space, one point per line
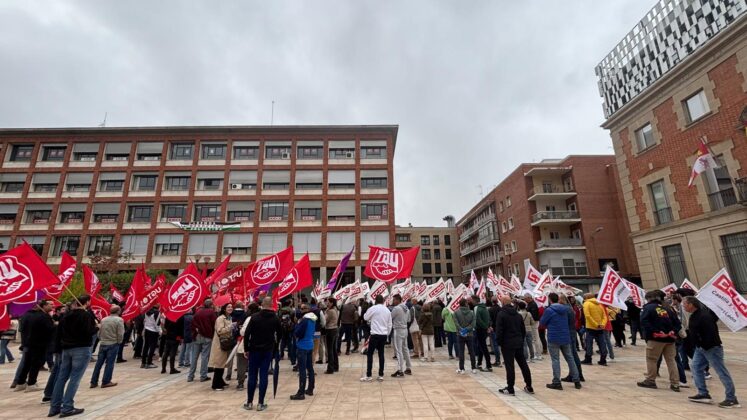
533 309
76 329
174 330
703 330
659 323
493 312
263 332
634 312
38 330
509 328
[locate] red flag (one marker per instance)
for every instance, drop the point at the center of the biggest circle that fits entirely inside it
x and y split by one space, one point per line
91 281
151 295
228 280
4 318
184 294
297 279
100 307
270 269
221 300
388 265
137 289
64 275
115 293
21 272
218 272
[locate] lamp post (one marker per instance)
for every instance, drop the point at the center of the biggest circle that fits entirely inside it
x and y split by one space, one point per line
594 246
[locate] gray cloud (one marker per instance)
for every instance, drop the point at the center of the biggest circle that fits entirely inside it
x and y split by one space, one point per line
477 87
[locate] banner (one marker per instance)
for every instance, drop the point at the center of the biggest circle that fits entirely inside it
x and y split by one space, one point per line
613 291
218 272
506 286
341 266
687 284
22 272
454 304
378 288
132 298
229 280
91 281
493 282
473 283
388 265
720 295
481 291
115 294
100 306
64 275
184 294
298 278
637 294
531 277
342 293
436 291
449 287
515 283
270 269
669 289
4 318
544 282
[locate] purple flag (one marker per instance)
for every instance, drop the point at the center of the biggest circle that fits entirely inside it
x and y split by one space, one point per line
339 270
264 288
20 307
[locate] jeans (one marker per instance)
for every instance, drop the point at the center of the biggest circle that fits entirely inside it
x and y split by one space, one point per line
21 366
5 351
288 340
509 355
305 362
543 340
201 349
53 376
375 344
461 342
598 336
185 354
529 346
482 348
608 342
715 358
683 356
495 347
346 331
259 364
635 330
451 342
108 354
400 349
73 364
555 350
333 363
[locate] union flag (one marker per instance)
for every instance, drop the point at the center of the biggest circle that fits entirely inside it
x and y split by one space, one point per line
388 265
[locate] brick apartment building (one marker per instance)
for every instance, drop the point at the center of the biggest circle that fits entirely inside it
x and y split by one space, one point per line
560 214
686 81
322 189
439 250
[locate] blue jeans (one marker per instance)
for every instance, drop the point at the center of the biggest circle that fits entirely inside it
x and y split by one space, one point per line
555 350
259 364
598 336
304 363
683 356
108 354
5 351
201 349
53 376
451 343
73 364
496 348
185 355
715 358
608 343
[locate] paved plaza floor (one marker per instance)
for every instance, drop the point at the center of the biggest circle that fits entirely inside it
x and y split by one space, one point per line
434 391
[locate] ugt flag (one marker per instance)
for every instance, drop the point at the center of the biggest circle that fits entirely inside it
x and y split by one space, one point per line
22 272
269 270
184 294
91 281
388 265
720 295
297 279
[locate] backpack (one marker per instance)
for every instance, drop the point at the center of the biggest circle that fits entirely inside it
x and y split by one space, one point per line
286 322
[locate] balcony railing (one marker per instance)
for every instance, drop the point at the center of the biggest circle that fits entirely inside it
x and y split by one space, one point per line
481 242
477 224
741 186
721 199
559 243
482 262
552 189
663 215
578 270
555 215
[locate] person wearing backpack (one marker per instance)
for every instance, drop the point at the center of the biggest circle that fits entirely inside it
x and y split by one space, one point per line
660 326
287 324
464 319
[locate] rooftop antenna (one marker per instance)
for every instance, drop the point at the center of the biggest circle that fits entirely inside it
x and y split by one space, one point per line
272 114
479 186
103 123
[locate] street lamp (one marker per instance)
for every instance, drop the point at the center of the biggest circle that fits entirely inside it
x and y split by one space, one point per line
594 244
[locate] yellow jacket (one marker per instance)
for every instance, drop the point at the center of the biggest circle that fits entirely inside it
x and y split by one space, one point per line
595 314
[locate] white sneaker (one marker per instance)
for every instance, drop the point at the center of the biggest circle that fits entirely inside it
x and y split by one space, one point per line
684 385
366 379
474 371
32 388
380 379
19 388
460 372
708 376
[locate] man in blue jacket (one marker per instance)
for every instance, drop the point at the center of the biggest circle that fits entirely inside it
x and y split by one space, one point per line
555 319
304 333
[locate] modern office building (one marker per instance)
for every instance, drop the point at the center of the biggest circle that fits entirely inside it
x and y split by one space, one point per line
680 77
439 250
168 195
564 215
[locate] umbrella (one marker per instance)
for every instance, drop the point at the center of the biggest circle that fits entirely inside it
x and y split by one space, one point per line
275 374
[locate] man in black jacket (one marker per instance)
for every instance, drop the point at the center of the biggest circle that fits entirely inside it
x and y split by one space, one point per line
35 336
510 333
660 327
76 331
260 342
703 331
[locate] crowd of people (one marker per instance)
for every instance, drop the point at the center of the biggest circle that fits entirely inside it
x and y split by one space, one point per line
494 332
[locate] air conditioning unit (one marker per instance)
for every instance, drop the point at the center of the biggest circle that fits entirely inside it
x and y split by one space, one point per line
349 155
236 186
286 155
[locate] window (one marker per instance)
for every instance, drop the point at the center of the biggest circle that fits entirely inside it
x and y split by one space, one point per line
516 269
67 244
373 211
436 241
403 237
447 239
145 182
206 212
425 240
696 106
373 183
508 201
572 207
506 248
139 214
99 245
437 267
644 137
274 211
449 268
270 243
210 184
213 151
78 187
72 216
309 214
12 187
53 154
510 223
277 152
513 246
308 185
734 253
342 153
21 152
504 227
237 243
436 254
340 242
425 254
105 218
341 210
245 153
500 206
240 215
310 152
448 254
275 185
555 235
427 268
117 157
674 263
111 186
205 244
662 211
168 245
45 188
7 218
182 151
134 245
174 212
85 156
38 216
307 242
375 152
36 242
177 183
719 186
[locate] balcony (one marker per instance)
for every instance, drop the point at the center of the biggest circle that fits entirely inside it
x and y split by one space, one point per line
476 225
722 199
561 192
550 244
663 216
564 217
577 270
482 262
482 242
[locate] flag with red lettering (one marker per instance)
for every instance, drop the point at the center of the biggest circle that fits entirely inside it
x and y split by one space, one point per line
515 283
544 283
531 277
436 291
229 280
388 265
218 272
64 275
687 284
449 287
91 281
115 294
152 293
184 294
298 278
378 288
720 295
669 289
22 272
132 299
270 269
506 286
481 290
100 307
460 294
704 160
613 291
637 294
473 283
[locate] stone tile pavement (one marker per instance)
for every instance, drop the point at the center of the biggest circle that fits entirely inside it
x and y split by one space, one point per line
434 391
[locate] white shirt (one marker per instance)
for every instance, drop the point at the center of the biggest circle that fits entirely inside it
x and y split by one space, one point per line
380 319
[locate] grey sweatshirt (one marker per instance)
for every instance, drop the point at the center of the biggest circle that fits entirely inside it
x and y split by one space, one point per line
399 317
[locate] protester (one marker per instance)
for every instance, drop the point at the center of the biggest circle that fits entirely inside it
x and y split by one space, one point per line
238 317
172 333
241 357
348 318
703 329
56 349
493 309
76 331
400 317
607 333
556 319
111 333
318 353
450 330
572 325
379 319
414 328
425 321
510 332
533 310
203 328
304 334
438 324
125 340
185 351
287 322
618 327
482 326
35 338
464 319
528 322
261 339
6 337
330 330
660 326
634 319
221 346
139 327
150 338
596 321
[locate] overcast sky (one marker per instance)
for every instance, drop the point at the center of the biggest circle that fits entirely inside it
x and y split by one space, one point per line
476 87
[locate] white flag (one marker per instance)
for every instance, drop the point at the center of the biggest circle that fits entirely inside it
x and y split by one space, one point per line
637 294
531 278
613 291
720 295
544 282
687 284
669 289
